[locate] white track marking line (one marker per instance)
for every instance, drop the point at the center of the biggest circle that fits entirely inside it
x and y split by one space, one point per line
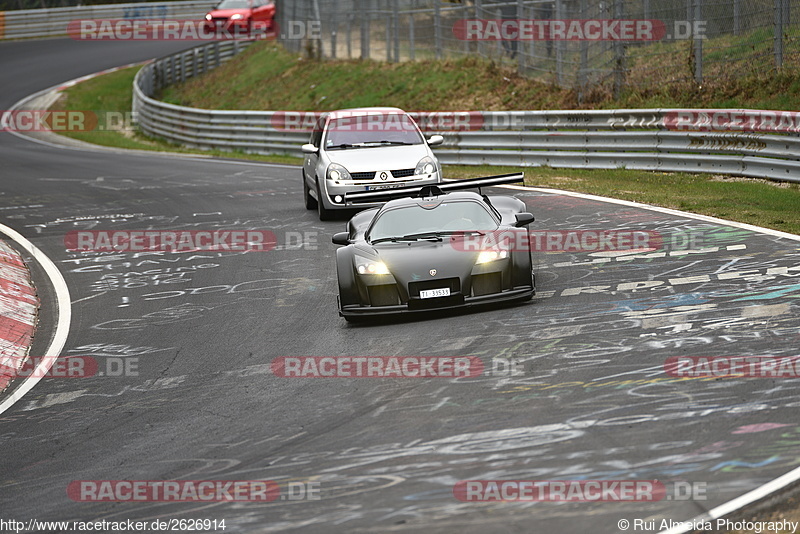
740 502
4 118
724 509
667 211
770 487
64 311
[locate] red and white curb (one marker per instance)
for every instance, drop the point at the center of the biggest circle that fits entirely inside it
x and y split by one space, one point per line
18 311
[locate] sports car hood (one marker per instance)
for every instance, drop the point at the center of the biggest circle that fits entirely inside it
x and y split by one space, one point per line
381 158
415 260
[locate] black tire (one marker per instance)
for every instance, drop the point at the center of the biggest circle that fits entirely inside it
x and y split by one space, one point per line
311 202
522 274
346 278
324 213
348 292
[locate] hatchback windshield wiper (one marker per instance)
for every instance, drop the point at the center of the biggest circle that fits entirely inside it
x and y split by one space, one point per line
343 145
382 142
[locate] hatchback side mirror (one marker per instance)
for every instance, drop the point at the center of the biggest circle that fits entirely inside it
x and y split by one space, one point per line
435 140
309 149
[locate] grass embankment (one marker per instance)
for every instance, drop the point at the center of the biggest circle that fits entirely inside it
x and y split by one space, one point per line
110 98
267 77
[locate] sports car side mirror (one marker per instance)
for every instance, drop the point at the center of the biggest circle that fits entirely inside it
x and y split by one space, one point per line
523 219
435 140
309 149
341 238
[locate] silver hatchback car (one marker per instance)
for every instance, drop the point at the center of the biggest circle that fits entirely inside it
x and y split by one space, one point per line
365 149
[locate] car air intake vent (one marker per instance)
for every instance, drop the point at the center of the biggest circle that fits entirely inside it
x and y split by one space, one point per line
384 295
487 284
402 173
362 175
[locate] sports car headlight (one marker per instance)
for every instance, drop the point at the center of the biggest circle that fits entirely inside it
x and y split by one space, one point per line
487 256
425 166
337 172
208 16
368 266
237 16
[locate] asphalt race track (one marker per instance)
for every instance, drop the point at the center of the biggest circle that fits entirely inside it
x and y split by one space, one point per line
590 399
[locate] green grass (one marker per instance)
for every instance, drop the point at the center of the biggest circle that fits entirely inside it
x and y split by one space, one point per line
111 93
739 72
751 201
268 77
108 93
295 83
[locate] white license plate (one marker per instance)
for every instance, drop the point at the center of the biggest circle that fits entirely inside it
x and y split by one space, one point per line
381 187
432 293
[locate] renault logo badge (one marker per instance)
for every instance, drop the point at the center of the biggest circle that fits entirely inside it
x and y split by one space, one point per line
384 175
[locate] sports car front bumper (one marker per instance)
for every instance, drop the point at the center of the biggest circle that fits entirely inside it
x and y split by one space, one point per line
453 302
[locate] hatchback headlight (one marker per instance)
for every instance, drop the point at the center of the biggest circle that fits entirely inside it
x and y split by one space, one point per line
237 16
337 172
425 166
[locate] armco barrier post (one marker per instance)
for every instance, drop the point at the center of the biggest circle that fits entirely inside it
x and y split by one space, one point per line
437 29
698 43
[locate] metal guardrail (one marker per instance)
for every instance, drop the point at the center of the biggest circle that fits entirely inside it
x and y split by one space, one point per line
760 144
53 22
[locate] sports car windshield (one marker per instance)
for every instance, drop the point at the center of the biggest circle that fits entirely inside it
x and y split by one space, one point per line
371 130
416 222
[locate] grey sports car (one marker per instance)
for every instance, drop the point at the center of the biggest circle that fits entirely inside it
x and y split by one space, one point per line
434 247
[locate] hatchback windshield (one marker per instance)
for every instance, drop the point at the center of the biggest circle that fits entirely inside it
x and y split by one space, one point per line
447 217
374 129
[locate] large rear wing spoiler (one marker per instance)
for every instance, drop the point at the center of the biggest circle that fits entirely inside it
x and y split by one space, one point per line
358 197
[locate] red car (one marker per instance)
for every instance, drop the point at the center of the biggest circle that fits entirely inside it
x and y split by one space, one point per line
243 15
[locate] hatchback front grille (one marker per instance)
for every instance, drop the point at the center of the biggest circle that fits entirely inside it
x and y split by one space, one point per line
403 173
399 173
